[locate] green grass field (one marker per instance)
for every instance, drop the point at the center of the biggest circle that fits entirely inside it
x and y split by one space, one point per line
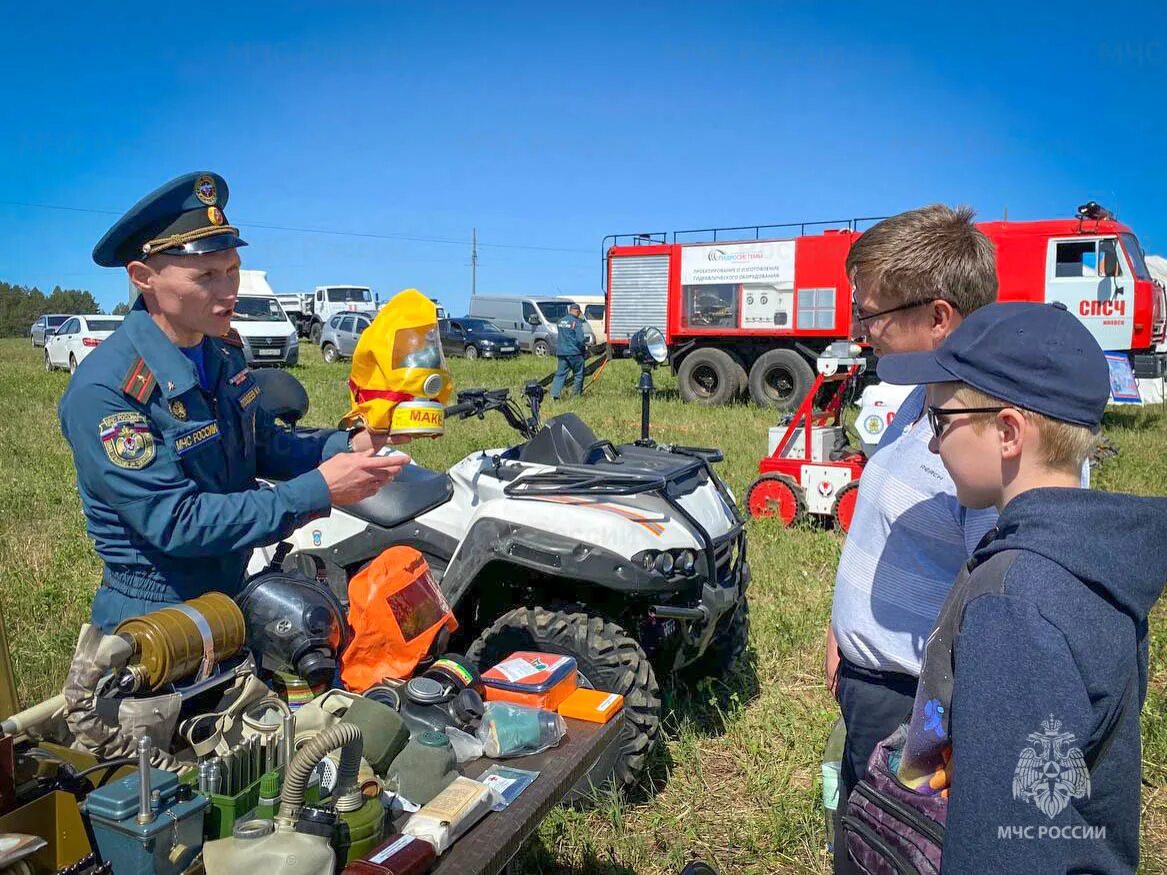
737 781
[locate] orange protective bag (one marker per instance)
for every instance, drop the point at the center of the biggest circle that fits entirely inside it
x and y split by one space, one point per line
396 610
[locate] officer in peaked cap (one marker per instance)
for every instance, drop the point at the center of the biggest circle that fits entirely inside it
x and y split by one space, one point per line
168 428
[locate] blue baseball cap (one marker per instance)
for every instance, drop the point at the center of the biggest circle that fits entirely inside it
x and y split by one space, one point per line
1036 356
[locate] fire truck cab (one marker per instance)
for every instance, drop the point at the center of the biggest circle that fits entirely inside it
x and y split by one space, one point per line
1095 266
753 315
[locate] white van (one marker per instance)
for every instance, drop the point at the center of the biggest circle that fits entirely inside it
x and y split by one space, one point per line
269 337
593 313
530 320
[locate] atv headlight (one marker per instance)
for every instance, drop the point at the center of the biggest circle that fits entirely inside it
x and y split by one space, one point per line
657 561
663 562
686 561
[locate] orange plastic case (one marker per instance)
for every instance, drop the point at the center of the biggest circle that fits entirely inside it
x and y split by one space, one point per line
541 680
595 706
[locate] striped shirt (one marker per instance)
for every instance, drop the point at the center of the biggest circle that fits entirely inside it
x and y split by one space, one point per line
908 541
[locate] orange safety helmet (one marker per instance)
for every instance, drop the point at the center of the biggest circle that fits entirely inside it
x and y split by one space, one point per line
396 611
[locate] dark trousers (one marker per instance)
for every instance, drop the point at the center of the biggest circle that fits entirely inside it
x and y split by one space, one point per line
874 704
573 363
110 607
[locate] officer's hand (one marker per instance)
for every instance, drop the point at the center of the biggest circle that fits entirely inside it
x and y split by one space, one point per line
357 475
366 440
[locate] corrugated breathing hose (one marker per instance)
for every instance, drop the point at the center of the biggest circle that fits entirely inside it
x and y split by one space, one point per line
348 738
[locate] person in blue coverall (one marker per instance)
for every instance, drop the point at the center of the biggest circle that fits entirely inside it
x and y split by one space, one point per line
569 349
167 432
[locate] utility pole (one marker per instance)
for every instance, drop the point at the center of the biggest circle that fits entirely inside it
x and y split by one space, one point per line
474 263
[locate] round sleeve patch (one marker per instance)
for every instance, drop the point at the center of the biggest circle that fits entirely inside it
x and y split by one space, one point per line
127 439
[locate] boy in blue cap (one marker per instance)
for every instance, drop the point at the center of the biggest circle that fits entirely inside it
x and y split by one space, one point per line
1027 714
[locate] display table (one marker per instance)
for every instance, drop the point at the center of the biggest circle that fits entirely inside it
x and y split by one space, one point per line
489 846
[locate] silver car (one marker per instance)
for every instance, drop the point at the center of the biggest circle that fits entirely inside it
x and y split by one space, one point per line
45 326
339 338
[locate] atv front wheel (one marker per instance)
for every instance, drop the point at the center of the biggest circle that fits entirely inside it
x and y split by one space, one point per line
607 659
728 645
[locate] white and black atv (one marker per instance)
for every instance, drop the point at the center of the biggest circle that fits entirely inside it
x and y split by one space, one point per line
630 558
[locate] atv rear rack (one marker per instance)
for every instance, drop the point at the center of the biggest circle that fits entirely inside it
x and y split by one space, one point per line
586 480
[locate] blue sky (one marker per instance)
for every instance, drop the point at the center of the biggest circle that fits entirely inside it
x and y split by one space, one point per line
549 129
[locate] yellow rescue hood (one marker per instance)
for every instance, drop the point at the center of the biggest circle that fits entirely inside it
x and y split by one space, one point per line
399 382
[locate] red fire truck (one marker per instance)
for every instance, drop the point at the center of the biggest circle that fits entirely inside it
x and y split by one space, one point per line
752 315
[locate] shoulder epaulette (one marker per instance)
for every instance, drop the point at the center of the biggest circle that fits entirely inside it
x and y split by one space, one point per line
232 338
139 382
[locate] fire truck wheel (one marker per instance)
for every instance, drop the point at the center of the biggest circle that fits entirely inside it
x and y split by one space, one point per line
708 376
780 378
743 379
776 495
844 509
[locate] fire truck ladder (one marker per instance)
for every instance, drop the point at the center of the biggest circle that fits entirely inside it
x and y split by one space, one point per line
710 235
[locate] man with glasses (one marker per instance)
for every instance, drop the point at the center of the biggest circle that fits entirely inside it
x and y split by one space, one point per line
915 277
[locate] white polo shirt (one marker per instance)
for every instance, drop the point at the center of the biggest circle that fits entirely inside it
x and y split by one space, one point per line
908 540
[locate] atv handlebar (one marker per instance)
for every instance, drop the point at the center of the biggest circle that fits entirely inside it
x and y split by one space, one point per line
476 402
460 409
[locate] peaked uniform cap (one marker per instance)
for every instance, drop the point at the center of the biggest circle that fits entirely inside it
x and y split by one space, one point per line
183 217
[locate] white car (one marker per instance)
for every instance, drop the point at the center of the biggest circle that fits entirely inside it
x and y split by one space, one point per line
76 338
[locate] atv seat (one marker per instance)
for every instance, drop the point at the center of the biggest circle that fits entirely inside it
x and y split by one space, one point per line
563 440
414 491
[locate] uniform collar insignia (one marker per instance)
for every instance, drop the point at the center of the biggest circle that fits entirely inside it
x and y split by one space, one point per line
174 372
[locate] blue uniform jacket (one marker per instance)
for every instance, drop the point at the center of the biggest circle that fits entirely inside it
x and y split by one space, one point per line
570 336
166 470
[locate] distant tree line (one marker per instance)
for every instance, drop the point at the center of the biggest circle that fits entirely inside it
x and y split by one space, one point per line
21 305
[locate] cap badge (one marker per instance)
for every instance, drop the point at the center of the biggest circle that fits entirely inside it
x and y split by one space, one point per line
206 190
215 215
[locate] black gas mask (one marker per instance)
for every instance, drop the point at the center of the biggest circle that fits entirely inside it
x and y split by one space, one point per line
294 624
